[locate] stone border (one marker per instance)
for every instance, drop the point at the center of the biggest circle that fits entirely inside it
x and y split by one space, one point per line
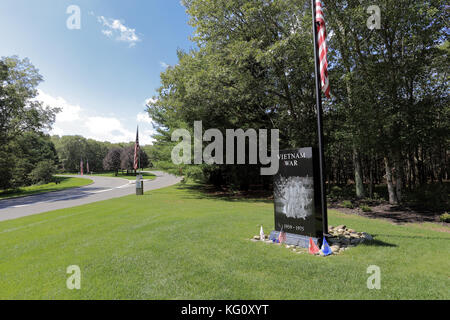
341 239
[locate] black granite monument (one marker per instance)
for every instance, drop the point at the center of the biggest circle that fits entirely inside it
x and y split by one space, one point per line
297 197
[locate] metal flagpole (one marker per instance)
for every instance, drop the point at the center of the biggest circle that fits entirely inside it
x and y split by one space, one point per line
139 151
319 124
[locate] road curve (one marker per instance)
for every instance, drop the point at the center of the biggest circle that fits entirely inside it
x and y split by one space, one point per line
103 188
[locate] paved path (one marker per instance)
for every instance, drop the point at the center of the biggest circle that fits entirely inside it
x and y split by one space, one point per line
103 188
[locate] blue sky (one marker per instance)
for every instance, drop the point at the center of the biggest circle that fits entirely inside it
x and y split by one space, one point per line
102 74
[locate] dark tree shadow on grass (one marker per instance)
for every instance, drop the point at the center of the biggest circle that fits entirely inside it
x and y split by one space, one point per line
378 243
197 191
415 237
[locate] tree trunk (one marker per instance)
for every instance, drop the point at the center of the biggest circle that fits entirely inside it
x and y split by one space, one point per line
371 178
358 174
390 182
399 176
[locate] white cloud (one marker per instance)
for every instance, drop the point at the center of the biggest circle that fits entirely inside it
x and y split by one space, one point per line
107 33
164 65
143 117
107 129
74 120
57 131
69 112
114 27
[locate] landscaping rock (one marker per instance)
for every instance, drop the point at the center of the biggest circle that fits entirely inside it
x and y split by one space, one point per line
342 239
335 249
367 236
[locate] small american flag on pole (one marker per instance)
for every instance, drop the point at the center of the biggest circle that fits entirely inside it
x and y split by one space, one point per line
81 166
323 50
136 151
87 166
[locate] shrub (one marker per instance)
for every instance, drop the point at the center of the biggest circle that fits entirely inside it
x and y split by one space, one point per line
43 172
365 208
21 173
432 197
336 189
445 217
347 204
335 192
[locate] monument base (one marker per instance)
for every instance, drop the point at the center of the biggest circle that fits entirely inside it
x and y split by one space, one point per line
295 239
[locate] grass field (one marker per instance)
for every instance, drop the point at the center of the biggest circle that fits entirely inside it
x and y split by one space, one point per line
178 243
145 175
65 183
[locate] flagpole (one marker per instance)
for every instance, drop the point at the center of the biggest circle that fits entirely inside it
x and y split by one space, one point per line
320 124
139 152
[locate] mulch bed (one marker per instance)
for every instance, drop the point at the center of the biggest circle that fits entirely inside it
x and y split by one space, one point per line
395 214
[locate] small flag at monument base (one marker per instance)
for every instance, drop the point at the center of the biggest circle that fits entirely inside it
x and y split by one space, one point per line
313 248
326 250
282 237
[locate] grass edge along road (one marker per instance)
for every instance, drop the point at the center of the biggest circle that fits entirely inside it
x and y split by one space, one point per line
145 175
180 243
64 184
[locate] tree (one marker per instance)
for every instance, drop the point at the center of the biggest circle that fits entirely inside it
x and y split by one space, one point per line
20 113
392 88
71 149
43 172
127 159
27 151
19 110
95 153
387 120
251 71
112 160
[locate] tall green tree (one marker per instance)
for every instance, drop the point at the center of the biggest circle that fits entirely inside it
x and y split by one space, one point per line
20 111
390 96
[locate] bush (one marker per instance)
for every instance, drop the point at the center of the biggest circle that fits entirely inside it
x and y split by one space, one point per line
21 173
445 217
341 192
365 208
430 197
43 172
347 204
5 170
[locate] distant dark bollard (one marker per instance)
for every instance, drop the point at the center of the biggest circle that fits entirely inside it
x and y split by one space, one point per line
139 185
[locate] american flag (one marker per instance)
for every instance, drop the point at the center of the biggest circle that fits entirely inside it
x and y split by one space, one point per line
323 50
313 248
87 166
81 166
136 151
282 237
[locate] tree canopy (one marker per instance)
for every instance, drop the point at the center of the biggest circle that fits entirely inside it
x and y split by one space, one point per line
22 120
253 68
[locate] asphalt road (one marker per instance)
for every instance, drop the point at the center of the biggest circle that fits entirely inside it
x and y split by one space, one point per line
103 188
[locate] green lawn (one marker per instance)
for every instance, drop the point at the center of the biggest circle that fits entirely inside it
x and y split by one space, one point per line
145 175
65 183
178 243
